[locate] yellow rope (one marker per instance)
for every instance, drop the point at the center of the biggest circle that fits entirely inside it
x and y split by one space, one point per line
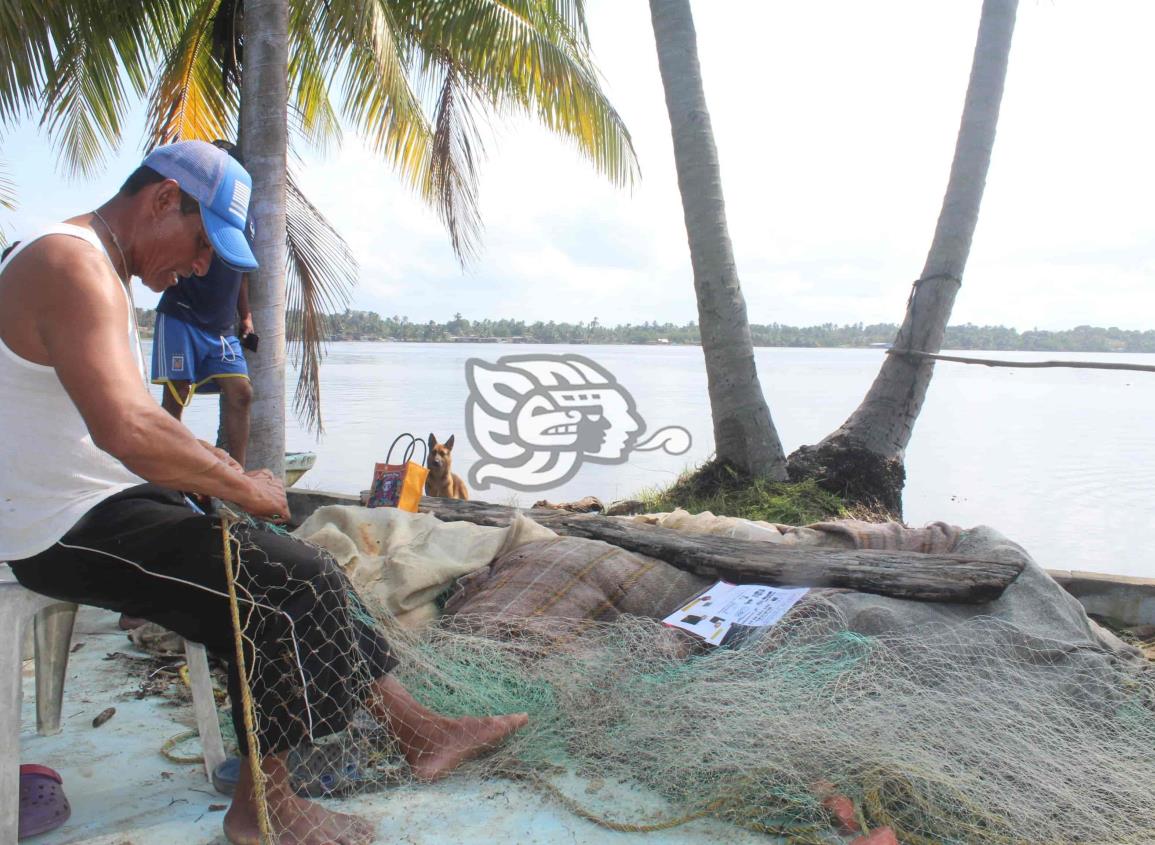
794 837
172 742
227 523
622 827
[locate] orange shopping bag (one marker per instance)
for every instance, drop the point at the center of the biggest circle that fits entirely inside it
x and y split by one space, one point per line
399 485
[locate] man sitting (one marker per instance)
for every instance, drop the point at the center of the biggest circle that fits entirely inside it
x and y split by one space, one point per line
90 512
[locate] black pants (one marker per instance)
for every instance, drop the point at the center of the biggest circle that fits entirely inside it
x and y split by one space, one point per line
310 650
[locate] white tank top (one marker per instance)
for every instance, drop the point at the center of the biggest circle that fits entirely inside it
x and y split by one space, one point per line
51 473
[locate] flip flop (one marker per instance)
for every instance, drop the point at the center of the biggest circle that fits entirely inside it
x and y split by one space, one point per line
43 806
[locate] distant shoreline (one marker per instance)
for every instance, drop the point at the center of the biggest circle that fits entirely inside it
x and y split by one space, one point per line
369 327
147 335
883 348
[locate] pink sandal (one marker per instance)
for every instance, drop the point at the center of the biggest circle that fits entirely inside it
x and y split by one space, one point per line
43 806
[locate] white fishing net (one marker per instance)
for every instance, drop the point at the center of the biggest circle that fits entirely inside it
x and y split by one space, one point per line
947 724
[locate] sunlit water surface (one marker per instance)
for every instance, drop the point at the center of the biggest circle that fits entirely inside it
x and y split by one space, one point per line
1059 460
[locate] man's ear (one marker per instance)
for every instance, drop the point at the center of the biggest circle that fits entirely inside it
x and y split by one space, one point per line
449 442
166 197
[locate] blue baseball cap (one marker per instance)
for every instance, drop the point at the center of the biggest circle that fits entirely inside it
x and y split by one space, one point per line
222 187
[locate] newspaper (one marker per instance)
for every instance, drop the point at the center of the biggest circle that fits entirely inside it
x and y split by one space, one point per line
714 613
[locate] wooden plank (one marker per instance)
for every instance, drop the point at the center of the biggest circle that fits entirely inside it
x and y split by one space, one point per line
204 707
303 502
909 575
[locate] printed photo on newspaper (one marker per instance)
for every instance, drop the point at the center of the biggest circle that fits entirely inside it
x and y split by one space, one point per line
715 612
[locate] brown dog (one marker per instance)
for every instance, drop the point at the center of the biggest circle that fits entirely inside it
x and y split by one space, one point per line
441 482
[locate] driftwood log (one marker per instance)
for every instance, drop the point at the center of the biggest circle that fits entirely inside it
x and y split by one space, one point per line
908 575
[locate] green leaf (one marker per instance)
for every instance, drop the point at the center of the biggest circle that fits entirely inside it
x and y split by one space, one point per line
321 274
7 189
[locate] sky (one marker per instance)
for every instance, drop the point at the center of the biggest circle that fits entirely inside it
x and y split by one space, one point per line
835 122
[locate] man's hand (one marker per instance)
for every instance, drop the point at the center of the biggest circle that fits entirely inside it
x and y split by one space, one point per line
223 455
246 325
268 499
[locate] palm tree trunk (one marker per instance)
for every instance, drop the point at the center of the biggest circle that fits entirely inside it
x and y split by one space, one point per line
744 433
863 459
264 128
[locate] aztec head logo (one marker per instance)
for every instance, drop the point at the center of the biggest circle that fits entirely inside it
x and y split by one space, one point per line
534 419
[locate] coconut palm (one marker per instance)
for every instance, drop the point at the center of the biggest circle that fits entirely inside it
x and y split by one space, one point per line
744 433
863 459
265 137
416 78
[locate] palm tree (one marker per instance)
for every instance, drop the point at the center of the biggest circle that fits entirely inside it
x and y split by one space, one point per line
265 136
414 77
863 459
744 433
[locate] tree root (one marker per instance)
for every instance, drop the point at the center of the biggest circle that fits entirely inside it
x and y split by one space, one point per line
860 477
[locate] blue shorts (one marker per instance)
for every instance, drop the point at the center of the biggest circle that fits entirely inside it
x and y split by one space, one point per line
183 352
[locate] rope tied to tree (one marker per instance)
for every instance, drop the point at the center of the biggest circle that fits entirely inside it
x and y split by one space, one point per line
911 300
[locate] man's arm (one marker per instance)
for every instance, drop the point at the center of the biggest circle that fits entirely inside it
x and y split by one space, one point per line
79 313
243 311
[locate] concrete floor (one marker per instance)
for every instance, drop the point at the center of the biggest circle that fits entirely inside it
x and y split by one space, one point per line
124 792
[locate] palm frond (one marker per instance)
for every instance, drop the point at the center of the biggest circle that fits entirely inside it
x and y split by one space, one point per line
453 165
190 99
28 37
311 76
321 270
7 189
101 63
531 56
85 107
362 38
474 59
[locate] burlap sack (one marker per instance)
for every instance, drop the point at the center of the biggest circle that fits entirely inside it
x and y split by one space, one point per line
573 578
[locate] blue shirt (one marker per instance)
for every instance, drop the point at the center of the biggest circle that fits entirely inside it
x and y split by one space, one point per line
208 302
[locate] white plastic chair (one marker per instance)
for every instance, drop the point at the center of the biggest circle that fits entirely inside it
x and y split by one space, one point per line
53 621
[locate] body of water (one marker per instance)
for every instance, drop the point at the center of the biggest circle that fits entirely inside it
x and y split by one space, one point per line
1059 460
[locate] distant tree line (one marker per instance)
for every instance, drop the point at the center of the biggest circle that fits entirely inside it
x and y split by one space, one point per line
367 325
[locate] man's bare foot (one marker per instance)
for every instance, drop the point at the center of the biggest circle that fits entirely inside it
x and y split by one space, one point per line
435 745
294 820
451 742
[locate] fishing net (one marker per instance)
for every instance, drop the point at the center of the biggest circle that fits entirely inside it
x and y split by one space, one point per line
968 730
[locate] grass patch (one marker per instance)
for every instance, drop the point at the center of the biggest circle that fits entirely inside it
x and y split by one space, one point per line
723 491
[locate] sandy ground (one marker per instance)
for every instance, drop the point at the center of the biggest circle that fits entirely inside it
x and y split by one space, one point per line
124 792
